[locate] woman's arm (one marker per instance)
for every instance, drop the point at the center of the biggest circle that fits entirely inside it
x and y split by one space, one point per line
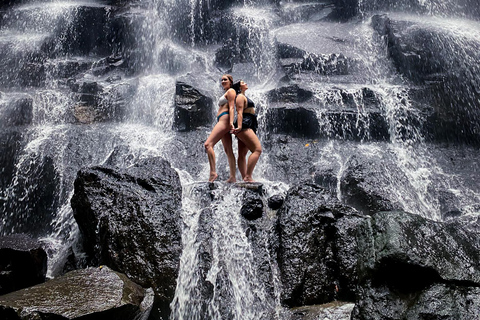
240 102
231 106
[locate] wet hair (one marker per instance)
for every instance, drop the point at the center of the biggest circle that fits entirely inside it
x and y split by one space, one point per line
230 78
236 86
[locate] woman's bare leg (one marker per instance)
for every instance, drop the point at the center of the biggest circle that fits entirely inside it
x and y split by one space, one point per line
219 130
250 139
242 158
227 146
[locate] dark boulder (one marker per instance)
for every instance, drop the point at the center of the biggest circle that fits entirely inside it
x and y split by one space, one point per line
192 108
23 263
317 252
408 261
252 205
130 221
275 202
292 119
361 184
93 293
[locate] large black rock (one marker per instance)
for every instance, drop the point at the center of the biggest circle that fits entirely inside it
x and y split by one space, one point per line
192 108
23 263
130 221
90 294
407 262
317 252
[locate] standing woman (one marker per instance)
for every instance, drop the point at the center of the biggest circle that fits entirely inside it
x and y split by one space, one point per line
222 130
246 133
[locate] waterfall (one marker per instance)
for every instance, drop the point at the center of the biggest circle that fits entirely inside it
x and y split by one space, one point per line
236 289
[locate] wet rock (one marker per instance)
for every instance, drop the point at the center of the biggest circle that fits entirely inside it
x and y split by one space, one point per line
88 35
22 65
408 261
275 202
332 311
294 121
129 220
408 238
230 53
91 293
252 205
11 140
106 65
459 8
66 68
301 12
23 263
317 252
290 159
325 64
98 103
116 98
435 59
360 185
290 94
192 108
345 10
32 215
17 111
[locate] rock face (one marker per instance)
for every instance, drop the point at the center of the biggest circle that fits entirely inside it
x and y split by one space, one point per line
407 262
392 265
93 293
317 247
129 220
23 263
435 60
192 108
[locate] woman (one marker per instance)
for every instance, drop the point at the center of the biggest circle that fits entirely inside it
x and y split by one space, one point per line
222 130
246 133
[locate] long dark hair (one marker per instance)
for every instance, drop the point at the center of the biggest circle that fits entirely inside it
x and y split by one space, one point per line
236 87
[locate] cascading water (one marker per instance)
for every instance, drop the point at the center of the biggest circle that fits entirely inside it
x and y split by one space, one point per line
365 113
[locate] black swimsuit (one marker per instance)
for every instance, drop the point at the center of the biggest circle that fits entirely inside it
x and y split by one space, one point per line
249 119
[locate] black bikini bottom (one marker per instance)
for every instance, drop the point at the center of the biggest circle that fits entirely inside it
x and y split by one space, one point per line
249 122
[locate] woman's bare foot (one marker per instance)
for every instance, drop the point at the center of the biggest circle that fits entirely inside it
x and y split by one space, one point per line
248 179
213 176
232 180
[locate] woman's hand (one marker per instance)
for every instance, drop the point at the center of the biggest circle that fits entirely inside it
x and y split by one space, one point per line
237 130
